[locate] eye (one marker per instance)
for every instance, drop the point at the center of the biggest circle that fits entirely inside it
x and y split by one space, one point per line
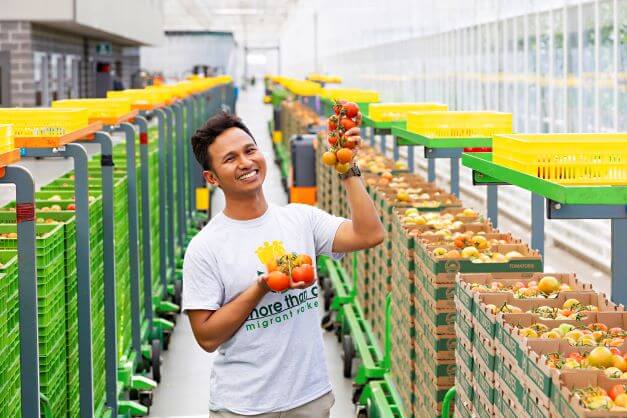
251 150
228 159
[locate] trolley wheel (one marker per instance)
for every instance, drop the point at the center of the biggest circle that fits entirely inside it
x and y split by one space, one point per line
328 298
166 340
145 398
361 412
327 322
156 360
357 390
178 293
348 354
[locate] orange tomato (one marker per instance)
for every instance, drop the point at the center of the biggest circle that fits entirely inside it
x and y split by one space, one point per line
305 259
344 155
329 158
303 273
272 266
278 281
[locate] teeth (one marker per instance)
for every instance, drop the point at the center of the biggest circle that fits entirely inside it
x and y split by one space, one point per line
248 175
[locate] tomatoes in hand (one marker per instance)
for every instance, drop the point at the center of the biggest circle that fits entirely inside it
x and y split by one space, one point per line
351 109
344 155
303 273
329 158
304 259
347 123
278 281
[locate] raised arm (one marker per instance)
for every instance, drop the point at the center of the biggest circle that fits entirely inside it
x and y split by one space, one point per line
365 229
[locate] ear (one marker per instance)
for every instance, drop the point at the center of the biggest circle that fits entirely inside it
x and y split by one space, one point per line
211 178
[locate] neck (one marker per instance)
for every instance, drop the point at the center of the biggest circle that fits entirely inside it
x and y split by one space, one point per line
245 207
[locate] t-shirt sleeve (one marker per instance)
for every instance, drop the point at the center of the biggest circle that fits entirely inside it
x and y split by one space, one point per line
324 227
202 288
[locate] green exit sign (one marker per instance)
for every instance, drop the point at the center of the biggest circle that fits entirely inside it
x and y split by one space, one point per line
104 48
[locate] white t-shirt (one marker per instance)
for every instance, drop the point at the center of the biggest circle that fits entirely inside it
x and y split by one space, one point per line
275 361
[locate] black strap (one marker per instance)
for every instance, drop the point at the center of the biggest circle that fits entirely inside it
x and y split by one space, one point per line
106 161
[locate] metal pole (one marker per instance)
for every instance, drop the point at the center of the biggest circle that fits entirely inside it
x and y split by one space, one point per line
383 143
180 173
133 234
83 287
493 204
191 109
27 267
161 119
619 263
396 151
431 170
169 152
111 348
455 176
410 159
537 222
142 123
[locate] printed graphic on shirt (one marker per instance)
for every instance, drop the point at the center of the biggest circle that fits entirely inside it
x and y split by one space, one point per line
274 256
291 306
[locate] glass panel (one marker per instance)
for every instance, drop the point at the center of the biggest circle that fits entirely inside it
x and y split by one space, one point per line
574 79
532 66
559 89
622 69
606 65
588 68
545 71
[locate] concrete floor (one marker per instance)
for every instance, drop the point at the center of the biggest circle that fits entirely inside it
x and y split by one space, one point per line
184 391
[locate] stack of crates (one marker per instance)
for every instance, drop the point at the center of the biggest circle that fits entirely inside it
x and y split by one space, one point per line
51 310
119 157
66 185
403 312
155 201
10 396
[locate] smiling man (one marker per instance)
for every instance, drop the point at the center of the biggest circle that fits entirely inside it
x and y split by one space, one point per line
270 360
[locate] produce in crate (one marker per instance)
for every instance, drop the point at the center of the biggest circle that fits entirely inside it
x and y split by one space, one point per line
592 335
285 267
341 154
522 290
596 398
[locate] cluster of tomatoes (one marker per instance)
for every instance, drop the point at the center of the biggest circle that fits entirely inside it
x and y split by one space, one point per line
340 153
290 268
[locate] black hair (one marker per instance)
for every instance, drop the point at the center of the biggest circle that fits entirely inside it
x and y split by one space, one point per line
214 127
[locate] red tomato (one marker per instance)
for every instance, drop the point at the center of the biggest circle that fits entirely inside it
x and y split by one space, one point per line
576 356
351 109
304 273
332 125
278 281
347 123
332 140
616 390
71 206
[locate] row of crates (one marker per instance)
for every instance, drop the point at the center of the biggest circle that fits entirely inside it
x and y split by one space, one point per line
57 280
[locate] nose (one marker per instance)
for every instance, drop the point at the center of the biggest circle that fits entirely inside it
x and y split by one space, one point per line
245 161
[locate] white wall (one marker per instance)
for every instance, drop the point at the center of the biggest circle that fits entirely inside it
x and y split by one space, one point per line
178 54
138 21
553 63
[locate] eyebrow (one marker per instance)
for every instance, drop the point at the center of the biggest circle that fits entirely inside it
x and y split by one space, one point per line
232 153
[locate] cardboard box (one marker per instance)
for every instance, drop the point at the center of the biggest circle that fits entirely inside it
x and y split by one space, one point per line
569 405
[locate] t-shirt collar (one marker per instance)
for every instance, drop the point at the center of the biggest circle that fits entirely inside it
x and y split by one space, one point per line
248 222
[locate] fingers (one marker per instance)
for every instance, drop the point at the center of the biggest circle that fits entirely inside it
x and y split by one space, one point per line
358 118
352 132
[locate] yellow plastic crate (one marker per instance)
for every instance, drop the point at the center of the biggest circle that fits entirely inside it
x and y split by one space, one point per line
459 124
385 112
44 122
140 96
575 159
353 95
98 108
321 78
7 143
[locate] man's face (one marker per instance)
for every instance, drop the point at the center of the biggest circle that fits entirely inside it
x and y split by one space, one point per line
238 166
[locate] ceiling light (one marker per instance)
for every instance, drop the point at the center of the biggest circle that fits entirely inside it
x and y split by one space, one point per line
235 12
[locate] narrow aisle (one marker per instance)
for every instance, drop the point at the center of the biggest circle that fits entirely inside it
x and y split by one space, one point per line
186 368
